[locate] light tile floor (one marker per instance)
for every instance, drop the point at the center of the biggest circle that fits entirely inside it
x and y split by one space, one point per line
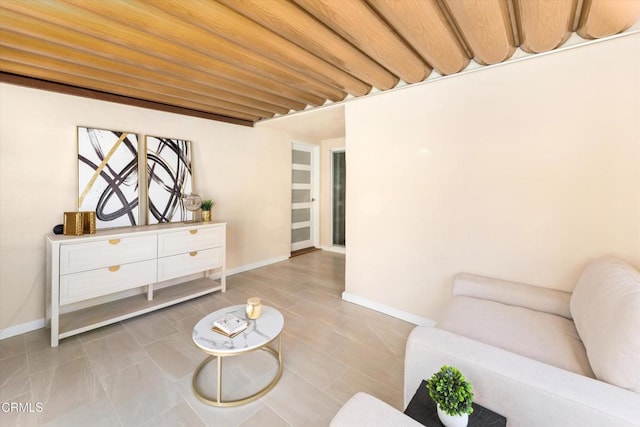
139 372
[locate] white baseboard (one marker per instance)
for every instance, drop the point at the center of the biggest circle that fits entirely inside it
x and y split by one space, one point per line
337 249
23 328
394 312
247 267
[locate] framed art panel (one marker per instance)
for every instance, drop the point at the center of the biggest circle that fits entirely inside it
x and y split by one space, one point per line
108 176
169 179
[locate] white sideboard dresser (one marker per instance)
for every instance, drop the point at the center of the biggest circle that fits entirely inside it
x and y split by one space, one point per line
165 263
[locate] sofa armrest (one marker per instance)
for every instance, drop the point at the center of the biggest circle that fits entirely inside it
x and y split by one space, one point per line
367 411
525 391
547 300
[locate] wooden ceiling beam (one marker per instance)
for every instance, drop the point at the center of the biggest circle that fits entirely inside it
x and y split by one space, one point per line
486 28
297 26
162 29
32 27
425 26
93 78
544 25
192 90
224 22
55 76
51 86
359 24
601 18
67 17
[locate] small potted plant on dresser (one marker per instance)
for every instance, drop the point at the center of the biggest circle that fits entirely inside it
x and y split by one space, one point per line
452 393
206 210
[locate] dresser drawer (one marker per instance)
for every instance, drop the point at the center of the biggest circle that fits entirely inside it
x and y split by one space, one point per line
94 283
189 240
104 253
189 263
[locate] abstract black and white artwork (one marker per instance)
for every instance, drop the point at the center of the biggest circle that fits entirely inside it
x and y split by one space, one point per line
108 176
169 179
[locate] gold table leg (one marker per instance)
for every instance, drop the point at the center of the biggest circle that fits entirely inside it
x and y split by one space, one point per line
219 379
225 403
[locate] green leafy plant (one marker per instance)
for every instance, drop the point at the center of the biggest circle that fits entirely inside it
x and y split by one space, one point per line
207 205
450 389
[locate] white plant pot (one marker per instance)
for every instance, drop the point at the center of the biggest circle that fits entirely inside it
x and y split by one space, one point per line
453 420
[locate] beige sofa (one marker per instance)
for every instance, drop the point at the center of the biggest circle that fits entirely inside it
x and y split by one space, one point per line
538 356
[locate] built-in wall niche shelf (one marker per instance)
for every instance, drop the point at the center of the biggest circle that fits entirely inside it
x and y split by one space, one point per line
161 259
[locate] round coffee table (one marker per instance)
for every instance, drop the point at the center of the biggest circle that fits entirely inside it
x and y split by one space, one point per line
258 335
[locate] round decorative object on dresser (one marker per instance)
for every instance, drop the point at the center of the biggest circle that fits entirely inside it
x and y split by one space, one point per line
192 202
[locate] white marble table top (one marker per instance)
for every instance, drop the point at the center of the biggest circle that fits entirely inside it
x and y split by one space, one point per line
259 332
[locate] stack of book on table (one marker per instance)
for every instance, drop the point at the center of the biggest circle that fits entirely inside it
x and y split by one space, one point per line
229 325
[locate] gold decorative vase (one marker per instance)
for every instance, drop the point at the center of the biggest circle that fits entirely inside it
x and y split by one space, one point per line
89 222
206 216
72 224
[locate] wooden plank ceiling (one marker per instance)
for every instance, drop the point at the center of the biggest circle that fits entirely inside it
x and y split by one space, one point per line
246 60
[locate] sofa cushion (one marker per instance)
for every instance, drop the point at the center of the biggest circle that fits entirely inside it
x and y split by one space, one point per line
606 309
541 336
550 301
365 410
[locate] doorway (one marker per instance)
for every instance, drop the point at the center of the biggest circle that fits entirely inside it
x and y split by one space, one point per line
338 197
304 188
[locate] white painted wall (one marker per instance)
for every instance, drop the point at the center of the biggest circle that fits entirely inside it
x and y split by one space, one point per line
525 172
247 171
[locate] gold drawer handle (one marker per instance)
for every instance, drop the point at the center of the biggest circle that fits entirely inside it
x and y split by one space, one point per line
114 268
193 231
114 241
194 253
